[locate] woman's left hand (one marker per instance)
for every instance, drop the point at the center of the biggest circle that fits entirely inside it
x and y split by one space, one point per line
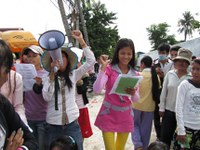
131 91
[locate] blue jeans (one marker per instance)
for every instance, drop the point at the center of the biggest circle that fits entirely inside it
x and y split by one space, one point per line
38 128
72 129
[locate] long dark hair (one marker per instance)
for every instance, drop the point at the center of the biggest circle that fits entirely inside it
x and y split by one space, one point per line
124 42
66 73
147 60
6 57
6 60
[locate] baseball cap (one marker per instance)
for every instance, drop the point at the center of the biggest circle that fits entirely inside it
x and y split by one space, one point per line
34 48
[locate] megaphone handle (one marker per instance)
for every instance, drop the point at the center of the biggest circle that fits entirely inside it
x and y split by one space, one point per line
55 69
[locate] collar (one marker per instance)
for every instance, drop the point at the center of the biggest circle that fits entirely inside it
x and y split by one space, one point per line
117 69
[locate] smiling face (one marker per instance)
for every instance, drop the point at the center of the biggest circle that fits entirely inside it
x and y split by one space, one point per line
125 55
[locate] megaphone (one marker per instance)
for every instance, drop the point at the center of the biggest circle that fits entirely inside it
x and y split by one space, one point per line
52 41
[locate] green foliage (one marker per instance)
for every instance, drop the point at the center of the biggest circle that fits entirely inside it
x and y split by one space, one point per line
185 24
158 34
102 36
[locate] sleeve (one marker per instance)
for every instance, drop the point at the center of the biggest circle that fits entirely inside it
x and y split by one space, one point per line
14 123
48 89
100 82
90 61
18 97
163 94
181 94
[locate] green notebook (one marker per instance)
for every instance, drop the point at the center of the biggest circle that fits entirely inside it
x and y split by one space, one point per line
123 82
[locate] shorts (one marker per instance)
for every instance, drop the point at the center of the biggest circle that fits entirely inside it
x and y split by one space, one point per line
84 122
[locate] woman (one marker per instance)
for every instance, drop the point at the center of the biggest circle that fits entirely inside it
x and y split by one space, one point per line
35 105
14 133
168 95
11 84
115 115
144 108
188 111
59 91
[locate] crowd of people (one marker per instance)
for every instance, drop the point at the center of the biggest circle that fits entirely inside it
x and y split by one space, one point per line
49 111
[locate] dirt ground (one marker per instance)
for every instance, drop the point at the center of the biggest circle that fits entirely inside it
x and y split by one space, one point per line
95 142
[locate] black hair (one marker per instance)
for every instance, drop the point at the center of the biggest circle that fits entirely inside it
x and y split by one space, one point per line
6 57
194 57
158 145
196 61
175 48
147 60
64 143
66 73
6 60
124 42
164 47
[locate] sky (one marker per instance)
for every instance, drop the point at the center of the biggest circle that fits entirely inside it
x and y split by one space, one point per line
133 17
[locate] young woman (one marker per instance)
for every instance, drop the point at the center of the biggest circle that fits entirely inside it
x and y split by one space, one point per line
11 84
116 114
144 108
59 91
14 134
168 95
188 111
35 105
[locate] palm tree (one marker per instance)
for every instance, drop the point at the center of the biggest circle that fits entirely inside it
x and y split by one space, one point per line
186 24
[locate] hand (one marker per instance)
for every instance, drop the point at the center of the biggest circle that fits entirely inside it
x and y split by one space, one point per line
104 61
161 113
77 35
160 72
131 91
38 80
181 138
15 140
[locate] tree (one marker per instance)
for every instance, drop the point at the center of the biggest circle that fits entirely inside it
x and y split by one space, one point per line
158 34
102 36
186 24
65 21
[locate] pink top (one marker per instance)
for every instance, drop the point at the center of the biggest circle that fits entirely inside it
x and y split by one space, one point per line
12 89
115 114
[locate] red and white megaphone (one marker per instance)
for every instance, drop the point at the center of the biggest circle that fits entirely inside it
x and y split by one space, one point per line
52 41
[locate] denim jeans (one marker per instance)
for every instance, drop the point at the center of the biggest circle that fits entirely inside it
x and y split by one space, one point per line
38 128
72 129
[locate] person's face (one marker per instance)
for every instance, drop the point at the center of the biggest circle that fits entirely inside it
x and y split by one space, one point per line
162 55
173 54
25 59
181 64
196 72
33 58
125 55
65 62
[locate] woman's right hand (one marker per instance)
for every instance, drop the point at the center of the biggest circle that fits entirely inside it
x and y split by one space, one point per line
104 61
15 140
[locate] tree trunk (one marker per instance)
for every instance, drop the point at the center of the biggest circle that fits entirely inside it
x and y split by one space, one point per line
65 22
83 22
